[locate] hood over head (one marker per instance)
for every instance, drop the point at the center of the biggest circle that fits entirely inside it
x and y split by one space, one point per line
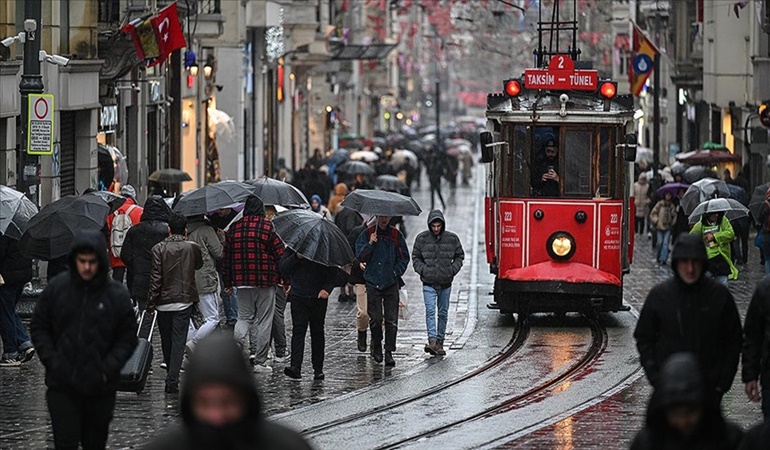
437 215
218 360
128 191
155 208
254 206
90 242
688 246
680 381
317 198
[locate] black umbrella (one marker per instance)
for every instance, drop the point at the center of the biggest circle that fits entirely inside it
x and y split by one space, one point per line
381 203
114 201
355 168
16 211
276 192
314 237
169 176
51 232
390 183
757 204
695 173
213 197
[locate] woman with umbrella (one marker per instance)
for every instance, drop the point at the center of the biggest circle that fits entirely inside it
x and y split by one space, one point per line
717 234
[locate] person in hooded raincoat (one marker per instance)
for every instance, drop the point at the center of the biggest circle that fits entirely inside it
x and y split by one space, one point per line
691 312
316 204
681 417
717 234
221 408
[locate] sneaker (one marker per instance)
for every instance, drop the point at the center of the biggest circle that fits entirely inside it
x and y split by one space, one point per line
319 376
282 359
252 359
10 362
292 373
164 366
27 355
262 368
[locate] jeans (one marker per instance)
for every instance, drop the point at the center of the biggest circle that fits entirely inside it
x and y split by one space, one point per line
377 301
663 238
78 419
12 331
304 312
278 334
173 337
229 303
433 297
255 309
767 266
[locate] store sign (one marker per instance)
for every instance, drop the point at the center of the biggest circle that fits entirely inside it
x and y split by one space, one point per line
561 75
109 116
40 124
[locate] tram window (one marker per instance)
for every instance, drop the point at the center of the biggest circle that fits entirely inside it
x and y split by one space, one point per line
605 153
577 165
545 158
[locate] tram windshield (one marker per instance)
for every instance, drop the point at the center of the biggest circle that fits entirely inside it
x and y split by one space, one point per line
559 161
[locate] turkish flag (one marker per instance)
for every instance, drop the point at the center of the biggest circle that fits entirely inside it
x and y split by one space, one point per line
168 33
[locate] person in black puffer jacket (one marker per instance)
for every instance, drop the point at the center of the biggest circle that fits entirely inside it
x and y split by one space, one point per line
690 312
680 415
756 347
84 331
16 270
437 257
137 247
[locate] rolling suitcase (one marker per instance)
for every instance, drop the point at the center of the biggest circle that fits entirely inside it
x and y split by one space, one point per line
133 375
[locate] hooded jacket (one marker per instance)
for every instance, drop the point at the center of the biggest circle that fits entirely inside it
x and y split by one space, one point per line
700 318
437 258
718 251
203 234
218 360
84 331
680 385
386 260
137 247
252 250
322 210
756 337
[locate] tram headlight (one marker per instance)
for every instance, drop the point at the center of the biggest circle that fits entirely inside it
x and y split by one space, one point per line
561 246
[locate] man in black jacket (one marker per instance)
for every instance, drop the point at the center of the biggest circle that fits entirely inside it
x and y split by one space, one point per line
756 341
220 406
16 270
84 331
311 286
137 247
437 257
691 313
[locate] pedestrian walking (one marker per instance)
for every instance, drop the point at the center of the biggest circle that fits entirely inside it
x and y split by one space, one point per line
383 251
340 191
680 415
756 341
136 252
316 204
118 224
437 256
436 171
641 203
220 220
206 278
84 330
221 408
250 264
347 220
173 293
691 313
717 234
356 278
16 271
311 286
278 331
663 218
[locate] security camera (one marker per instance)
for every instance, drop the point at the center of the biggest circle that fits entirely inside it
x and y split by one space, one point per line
7 42
564 98
30 25
59 60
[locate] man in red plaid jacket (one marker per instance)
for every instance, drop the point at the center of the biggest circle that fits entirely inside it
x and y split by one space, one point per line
250 265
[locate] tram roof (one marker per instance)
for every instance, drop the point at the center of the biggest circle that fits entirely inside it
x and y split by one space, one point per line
548 108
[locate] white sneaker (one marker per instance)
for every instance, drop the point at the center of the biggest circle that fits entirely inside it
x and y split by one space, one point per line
262 368
283 359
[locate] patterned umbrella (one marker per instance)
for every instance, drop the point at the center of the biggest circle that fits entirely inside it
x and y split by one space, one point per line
314 237
16 211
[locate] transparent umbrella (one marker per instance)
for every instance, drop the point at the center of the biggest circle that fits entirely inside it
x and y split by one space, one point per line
730 207
701 191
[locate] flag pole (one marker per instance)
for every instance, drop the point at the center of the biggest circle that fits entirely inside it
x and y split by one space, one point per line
656 100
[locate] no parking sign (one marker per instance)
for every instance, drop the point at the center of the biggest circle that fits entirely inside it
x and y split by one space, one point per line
40 124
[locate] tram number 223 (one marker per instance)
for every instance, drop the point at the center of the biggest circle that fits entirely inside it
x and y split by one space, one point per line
613 218
507 216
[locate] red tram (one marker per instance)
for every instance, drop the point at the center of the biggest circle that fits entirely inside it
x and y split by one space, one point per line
557 208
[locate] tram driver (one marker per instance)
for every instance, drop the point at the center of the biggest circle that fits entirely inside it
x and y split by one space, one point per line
545 180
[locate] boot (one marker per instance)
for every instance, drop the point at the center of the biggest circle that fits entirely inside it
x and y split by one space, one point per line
389 361
362 341
440 347
431 347
377 353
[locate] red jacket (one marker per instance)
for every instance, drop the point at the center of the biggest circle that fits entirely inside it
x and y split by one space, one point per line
251 255
135 216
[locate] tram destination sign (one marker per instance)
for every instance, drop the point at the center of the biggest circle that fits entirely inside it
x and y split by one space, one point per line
561 75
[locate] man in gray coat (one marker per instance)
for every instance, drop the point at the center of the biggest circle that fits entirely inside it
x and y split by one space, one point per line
437 257
206 278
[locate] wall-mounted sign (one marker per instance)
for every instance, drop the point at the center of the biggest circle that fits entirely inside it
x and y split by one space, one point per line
109 116
40 124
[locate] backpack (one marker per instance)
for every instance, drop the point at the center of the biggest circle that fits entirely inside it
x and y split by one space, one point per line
121 223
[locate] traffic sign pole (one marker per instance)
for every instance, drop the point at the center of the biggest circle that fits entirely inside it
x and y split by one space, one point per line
28 166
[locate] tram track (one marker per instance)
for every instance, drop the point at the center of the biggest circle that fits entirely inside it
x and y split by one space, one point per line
518 339
595 350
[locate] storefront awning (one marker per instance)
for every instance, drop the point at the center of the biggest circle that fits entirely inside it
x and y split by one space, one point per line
362 52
